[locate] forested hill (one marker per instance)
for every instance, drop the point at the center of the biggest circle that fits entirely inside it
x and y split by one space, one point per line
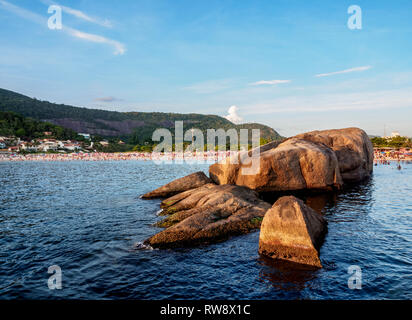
136 127
13 124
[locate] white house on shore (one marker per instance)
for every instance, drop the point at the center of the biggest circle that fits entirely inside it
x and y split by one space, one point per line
71 146
28 147
49 145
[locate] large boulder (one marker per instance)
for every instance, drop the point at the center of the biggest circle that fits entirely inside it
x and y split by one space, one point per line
191 181
353 149
292 231
208 214
295 164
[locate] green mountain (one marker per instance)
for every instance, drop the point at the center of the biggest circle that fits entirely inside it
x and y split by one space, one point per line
134 127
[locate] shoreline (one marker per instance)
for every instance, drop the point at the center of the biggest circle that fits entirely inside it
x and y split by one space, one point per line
118 156
209 156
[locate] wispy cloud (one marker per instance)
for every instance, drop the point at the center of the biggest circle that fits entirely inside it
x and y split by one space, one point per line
81 15
269 82
107 99
371 100
118 46
23 13
36 18
357 69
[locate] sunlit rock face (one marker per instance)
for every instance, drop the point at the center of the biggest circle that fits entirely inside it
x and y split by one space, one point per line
352 147
191 181
292 231
295 164
208 214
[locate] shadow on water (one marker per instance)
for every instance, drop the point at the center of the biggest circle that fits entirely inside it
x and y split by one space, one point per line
317 200
285 275
322 201
295 277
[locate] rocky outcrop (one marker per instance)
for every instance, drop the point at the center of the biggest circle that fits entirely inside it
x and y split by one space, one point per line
191 181
295 164
313 160
199 211
352 147
208 214
292 231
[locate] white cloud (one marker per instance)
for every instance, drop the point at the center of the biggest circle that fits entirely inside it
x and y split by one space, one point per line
371 100
269 82
34 17
118 46
81 15
357 69
107 99
233 116
25 14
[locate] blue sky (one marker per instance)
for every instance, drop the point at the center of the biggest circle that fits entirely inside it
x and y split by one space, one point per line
293 65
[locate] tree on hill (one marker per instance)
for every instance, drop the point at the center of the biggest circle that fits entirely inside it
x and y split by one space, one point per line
394 142
13 124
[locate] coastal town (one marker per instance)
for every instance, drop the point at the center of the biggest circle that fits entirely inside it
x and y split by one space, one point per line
13 148
51 149
41 147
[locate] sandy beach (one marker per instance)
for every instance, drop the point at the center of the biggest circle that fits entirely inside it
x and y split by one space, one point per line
379 157
101 156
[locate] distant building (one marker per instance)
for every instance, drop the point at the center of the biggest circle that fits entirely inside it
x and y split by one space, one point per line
10 140
28 147
14 149
47 133
49 145
85 135
72 146
394 134
2 145
104 143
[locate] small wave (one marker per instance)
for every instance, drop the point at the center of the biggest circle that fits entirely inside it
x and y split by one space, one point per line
159 212
142 246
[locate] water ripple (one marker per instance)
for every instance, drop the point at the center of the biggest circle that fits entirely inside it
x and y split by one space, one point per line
88 218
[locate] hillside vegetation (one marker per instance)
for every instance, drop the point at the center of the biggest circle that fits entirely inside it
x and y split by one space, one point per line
12 124
133 127
395 142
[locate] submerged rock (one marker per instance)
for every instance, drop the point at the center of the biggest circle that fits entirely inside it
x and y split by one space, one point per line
295 164
292 231
191 181
353 149
209 214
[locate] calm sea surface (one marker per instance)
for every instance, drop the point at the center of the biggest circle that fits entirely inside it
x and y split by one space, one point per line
87 218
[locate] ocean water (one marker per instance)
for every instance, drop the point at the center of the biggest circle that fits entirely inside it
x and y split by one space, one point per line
87 218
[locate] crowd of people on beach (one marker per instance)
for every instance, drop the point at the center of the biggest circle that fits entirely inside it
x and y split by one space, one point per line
102 156
213 156
386 158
